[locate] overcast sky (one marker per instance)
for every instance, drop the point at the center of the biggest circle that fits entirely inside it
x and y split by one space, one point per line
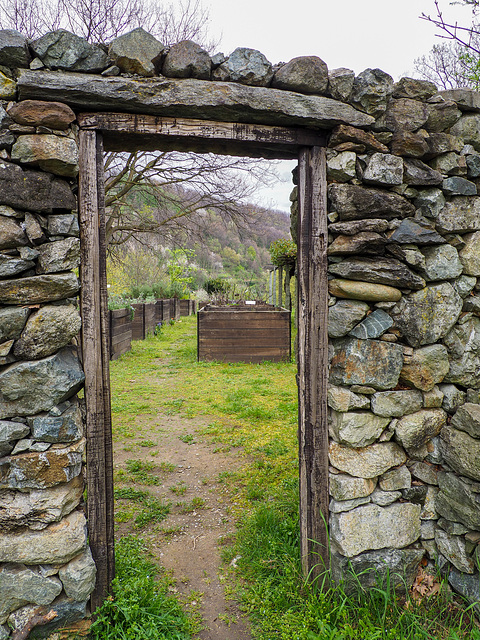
356 34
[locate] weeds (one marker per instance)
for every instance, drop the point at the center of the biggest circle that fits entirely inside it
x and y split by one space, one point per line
152 509
140 606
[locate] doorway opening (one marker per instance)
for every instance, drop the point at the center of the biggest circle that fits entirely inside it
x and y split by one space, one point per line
126 132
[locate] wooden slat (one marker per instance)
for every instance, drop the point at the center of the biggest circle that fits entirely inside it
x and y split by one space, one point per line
120 336
121 313
146 132
95 361
313 361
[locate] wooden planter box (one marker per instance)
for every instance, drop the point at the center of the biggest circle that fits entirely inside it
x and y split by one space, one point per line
243 333
120 335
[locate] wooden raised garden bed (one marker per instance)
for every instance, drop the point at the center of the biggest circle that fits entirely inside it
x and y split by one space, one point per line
243 333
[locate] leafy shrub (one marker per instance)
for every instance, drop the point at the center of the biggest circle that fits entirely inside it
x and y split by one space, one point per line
283 252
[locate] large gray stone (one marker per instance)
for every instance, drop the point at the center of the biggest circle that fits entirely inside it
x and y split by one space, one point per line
419 174
396 479
346 505
11 234
356 428
461 214
187 59
33 190
67 427
379 271
466 585
12 322
373 527
49 152
424 472
358 226
470 254
352 202
41 470
426 367
9 433
414 89
344 315
64 50
48 330
456 186
37 508
441 263
66 612
396 403
342 399
13 49
63 225
457 502
430 202
366 362
417 232
20 585
467 418
37 289
305 74
246 66
57 544
368 462
78 576
374 325
384 498
342 167
453 397
416 429
404 114
27 388
384 169
467 99
461 452
340 83
136 52
371 90
345 487
442 116
427 315
449 164
453 548
13 266
61 255
468 128
463 344
188 98
385 568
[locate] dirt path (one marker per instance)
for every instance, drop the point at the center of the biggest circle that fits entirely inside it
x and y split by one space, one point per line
189 540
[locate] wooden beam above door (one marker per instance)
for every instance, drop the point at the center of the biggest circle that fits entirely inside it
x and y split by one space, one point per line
132 132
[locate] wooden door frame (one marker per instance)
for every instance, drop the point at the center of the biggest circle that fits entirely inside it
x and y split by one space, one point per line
128 132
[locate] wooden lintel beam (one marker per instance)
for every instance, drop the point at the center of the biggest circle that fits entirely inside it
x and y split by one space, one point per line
124 131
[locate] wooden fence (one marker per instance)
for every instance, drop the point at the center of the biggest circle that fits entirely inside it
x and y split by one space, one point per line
125 325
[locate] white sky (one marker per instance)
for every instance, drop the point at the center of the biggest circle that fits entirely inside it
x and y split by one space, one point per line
356 34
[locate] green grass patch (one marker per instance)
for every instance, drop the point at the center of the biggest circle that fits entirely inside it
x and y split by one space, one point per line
140 607
147 509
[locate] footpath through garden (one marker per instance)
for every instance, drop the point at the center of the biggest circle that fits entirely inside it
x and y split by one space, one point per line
194 445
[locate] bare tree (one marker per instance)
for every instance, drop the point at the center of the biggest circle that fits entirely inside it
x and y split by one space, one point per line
214 182
100 21
160 193
448 65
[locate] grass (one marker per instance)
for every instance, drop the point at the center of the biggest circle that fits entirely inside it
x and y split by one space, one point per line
145 510
140 607
254 407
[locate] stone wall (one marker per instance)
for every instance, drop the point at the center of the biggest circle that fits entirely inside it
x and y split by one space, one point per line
44 559
404 325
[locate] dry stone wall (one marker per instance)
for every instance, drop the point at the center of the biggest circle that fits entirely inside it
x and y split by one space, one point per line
404 315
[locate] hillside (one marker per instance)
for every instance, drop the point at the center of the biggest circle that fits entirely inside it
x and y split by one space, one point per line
207 244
